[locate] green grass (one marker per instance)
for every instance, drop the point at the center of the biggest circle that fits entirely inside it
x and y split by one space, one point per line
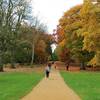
85 84
15 85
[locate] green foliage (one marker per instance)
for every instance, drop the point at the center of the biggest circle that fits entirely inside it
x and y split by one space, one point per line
54 57
12 14
20 32
7 56
22 52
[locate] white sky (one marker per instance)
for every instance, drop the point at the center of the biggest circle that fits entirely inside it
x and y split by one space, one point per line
50 11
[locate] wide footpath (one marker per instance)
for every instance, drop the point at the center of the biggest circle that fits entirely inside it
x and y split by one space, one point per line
53 88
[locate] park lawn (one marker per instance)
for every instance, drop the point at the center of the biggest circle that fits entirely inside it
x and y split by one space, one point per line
85 84
15 85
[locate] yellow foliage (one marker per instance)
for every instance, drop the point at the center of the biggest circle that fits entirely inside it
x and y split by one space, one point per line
86 7
93 61
96 60
62 43
81 29
85 34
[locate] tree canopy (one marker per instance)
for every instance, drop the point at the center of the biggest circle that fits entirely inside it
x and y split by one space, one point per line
79 32
21 34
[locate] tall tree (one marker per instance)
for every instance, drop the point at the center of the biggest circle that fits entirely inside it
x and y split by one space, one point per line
12 15
72 26
91 30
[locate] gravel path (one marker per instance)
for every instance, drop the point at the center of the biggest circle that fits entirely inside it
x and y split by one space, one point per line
53 88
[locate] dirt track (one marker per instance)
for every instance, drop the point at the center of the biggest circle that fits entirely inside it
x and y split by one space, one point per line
53 88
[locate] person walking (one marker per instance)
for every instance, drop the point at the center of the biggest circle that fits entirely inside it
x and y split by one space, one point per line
47 70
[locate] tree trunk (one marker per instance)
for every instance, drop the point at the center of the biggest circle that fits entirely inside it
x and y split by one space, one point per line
82 67
13 65
1 65
32 60
67 66
1 69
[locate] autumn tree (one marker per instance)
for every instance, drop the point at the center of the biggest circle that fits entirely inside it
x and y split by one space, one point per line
71 25
90 14
40 52
43 48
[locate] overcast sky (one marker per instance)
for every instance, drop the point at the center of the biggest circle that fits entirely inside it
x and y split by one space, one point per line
50 11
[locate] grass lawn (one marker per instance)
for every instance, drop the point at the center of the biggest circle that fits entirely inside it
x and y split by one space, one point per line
85 84
15 85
